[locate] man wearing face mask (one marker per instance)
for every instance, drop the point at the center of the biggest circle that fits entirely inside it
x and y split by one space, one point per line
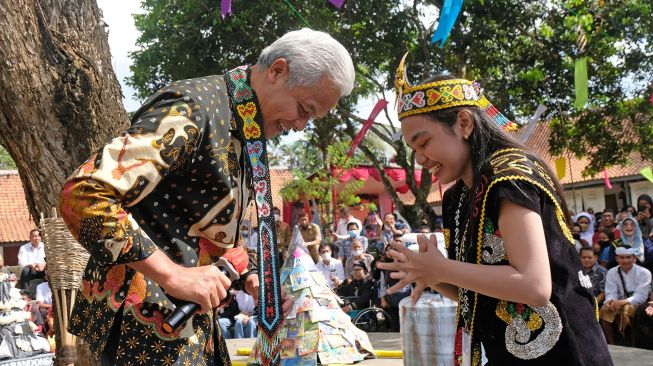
343 224
353 231
311 235
358 255
283 235
331 268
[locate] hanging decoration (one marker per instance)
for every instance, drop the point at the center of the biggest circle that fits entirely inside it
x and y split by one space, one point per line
647 173
448 14
337 3
382 103
606 178
580 83
561 167
225 8
532 123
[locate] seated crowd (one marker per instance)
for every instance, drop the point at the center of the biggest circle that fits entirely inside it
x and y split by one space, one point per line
32 280
616 253
347 258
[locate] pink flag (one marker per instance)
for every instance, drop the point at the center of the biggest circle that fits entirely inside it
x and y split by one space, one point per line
225 8
337 3
607 179
382 103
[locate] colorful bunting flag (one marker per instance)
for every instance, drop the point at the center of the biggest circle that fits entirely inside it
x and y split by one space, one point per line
647 173
225 8
561 167
530 127
580 83
448 14
382 103
337 3
606 178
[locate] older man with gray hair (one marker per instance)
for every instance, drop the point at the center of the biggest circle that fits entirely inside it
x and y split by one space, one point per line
159 203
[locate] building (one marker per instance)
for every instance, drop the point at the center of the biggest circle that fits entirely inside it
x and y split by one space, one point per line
15 219
582 193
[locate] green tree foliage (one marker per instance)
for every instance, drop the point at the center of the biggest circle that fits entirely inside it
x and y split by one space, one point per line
318 186
522 53
6 162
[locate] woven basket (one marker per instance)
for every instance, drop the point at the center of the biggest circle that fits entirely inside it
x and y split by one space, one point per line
66 260
65 257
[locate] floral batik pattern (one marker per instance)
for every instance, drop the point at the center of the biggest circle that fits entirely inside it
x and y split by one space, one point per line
172 180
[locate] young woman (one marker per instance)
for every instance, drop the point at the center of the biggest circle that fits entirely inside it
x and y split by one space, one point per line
631 237
586 222
512 264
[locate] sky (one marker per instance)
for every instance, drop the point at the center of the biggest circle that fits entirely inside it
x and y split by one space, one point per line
122 39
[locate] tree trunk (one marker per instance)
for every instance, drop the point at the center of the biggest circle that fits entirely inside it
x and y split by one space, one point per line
59 97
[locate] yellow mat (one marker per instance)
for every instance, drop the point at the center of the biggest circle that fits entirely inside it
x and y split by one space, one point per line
380 353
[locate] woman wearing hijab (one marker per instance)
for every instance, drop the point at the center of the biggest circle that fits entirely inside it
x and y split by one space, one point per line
631 236
586 222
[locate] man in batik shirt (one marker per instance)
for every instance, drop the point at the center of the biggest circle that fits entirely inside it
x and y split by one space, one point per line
158 204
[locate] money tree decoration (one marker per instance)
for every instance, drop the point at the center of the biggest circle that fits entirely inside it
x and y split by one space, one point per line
316 328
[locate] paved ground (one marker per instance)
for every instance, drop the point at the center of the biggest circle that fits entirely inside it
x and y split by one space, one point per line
392 341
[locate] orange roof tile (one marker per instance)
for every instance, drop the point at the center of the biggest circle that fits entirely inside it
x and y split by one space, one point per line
15 219
539 143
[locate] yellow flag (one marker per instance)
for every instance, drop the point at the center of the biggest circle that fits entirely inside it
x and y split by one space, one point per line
561 167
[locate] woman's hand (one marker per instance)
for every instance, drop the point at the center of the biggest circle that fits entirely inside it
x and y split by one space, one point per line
421 268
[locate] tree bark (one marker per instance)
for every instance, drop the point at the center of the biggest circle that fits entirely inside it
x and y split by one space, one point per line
59 97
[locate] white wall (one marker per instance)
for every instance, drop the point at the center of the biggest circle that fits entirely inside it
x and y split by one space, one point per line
586 198
638 188
594 198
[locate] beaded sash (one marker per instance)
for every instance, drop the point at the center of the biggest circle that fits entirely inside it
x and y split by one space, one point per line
249 121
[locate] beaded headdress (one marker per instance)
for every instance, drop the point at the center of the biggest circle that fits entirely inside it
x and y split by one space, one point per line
442 94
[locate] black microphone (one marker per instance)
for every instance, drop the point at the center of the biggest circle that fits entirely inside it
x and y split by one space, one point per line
184 311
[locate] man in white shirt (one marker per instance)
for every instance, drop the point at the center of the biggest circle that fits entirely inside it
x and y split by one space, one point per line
31 259
331 268
626 287
44 299
345 218
245 322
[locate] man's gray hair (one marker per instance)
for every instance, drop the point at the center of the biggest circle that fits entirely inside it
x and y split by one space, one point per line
311 55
